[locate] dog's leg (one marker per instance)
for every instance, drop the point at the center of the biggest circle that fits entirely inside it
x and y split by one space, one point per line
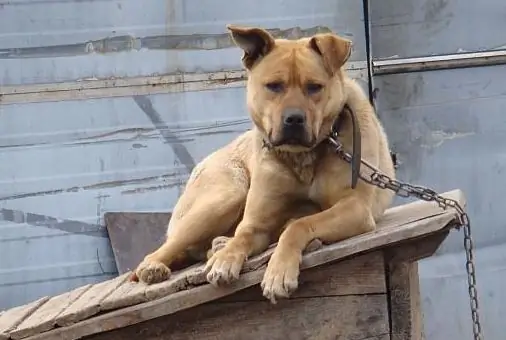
349 217
265 212
206 219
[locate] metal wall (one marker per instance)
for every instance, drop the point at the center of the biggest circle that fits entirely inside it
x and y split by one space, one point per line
448 127
106 106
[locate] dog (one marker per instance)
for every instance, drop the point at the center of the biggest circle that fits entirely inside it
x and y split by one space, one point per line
280 181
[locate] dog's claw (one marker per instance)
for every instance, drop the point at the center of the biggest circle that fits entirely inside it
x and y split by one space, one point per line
280 279
224 267
151 272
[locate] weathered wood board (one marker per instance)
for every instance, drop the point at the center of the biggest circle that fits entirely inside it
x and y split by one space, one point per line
43 318
346 300
11 318
133 235
398 224
406 317
337 317
122 303
356 276
88 303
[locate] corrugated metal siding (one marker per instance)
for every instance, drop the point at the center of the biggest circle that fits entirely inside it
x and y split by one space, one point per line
430 27
66 163
130 38
449 129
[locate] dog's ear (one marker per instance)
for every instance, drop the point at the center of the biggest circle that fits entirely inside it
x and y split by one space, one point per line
255 42
334 50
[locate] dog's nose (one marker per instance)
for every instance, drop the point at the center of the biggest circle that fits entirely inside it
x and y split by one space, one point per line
294 117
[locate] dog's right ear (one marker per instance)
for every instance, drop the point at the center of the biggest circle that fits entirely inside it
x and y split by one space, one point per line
334 50
255 42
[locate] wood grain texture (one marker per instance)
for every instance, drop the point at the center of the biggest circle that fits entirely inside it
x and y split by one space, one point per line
416 249
343 317
133 235
391 229
404 301
379 337
359 275
399 225
189 298
88 304
43 319
132 293
134 314
11 318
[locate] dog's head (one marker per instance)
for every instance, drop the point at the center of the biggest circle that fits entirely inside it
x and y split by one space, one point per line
295 87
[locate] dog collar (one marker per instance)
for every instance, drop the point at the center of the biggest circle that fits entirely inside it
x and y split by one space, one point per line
334 134
356 144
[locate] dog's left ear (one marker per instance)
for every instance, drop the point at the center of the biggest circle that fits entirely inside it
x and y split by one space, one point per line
334 50
255 42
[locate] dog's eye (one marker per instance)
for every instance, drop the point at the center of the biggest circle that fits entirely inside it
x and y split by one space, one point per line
313 88
275 87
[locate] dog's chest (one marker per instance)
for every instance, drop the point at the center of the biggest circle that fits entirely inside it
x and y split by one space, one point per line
318 193
302 165
329 183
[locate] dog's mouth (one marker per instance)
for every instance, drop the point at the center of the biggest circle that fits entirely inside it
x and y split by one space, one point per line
292 142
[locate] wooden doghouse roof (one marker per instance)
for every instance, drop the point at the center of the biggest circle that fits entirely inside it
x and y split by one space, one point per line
119 303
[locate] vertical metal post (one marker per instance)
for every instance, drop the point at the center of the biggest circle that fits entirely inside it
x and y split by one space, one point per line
368 50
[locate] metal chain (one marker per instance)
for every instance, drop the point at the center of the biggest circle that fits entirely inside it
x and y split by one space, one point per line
374 177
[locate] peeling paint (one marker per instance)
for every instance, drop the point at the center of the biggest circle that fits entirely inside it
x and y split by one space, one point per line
437 138
151 188
135 131
101 185
183 135
126 43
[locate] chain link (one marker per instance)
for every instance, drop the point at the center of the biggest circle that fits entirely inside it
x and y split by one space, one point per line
374 177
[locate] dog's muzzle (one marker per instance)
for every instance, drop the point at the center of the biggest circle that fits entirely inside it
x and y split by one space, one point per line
293 129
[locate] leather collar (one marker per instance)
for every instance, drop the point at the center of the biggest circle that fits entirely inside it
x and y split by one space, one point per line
347 113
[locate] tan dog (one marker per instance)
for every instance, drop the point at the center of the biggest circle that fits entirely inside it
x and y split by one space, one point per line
258 187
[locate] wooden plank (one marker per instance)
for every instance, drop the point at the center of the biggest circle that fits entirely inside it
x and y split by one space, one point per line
130 293
416 249
88 304
11 318
341 317
189 298
417 210
133 235
379 337
43 319
127 294
358 275
404 302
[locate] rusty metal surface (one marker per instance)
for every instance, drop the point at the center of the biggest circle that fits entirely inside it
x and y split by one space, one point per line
133 235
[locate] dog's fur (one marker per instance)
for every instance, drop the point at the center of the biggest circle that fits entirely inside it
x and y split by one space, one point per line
264 187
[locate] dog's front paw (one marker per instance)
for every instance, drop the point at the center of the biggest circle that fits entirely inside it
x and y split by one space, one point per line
281 277
151 271
224 265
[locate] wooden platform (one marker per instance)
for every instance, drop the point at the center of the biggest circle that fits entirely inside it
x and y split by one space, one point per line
361 288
